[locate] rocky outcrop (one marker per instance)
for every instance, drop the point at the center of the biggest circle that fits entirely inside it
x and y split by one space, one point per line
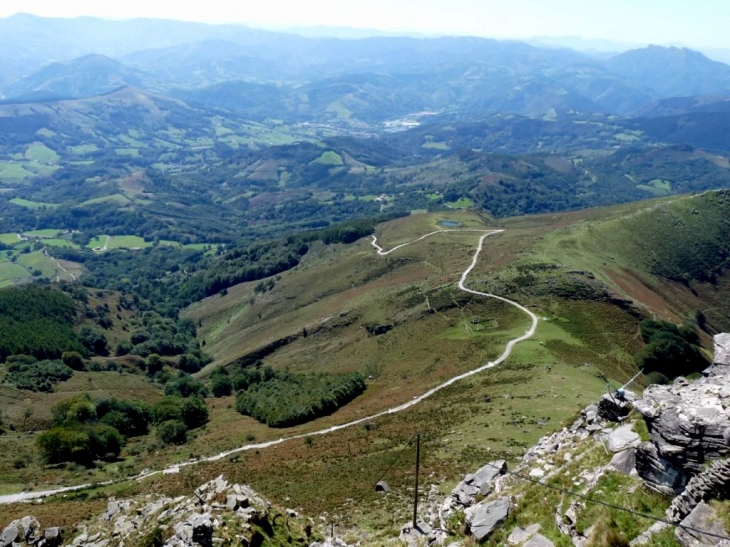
689 425
712 483
28 531
478 484
218 513
702 517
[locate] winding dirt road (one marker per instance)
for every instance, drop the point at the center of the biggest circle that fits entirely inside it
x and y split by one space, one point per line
24 496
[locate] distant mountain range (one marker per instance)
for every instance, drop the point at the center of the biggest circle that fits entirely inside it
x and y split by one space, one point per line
262 74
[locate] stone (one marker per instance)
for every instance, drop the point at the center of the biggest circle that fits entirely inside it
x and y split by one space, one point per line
520 536
484 517
702 517
622 438
9 534
614 408
112 508
291 513
590 413
538 540
202 529
382 486
30 529
537 473
722 349
234 501
625 461
53 537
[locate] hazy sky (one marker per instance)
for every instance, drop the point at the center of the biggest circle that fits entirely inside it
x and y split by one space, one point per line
699 23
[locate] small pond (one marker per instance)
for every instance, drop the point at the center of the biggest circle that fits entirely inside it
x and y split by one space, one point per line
450 223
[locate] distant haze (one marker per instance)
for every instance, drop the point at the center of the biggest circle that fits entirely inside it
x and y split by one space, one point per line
699 24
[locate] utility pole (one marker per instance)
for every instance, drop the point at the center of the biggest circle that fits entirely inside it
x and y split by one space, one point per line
415 496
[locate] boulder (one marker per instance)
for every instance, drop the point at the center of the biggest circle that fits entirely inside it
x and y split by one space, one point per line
53 537
202 529
479 483
235 501
538 540
615 408
722 349
625 461
714 482
702 517
590 413
484 517
622 438
520 536
382 486
10 534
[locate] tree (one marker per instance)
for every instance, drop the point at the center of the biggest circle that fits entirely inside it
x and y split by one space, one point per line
172 432
73 359
94 340
221 386
154 364
194 412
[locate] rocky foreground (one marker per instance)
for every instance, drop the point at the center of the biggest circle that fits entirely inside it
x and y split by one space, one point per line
218 513
674 440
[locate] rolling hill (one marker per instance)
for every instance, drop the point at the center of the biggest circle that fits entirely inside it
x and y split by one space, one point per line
83 77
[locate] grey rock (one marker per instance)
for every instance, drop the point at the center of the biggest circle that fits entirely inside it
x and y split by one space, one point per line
625 461
623 438
702 517
53 537
722 349
614 408
520 536
538 540
590 413
711 483
234 501
484 517
291 513
113 508
202 529
490 471
10 534
382 486
687 424
657 471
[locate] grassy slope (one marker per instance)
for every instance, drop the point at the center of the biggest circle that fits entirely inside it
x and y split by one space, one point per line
496 414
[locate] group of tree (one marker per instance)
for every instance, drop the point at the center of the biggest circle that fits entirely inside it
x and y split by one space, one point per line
38 321
670 351
284 399
85 431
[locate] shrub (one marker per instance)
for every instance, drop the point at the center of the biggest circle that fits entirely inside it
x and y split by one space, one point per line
37 376
130 418
669 349
167 409
188 363
154 364
80 443
73 359
194 412
221 386
172 432
186 386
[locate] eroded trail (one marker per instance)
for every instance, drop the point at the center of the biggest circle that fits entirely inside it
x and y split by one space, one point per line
382 252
